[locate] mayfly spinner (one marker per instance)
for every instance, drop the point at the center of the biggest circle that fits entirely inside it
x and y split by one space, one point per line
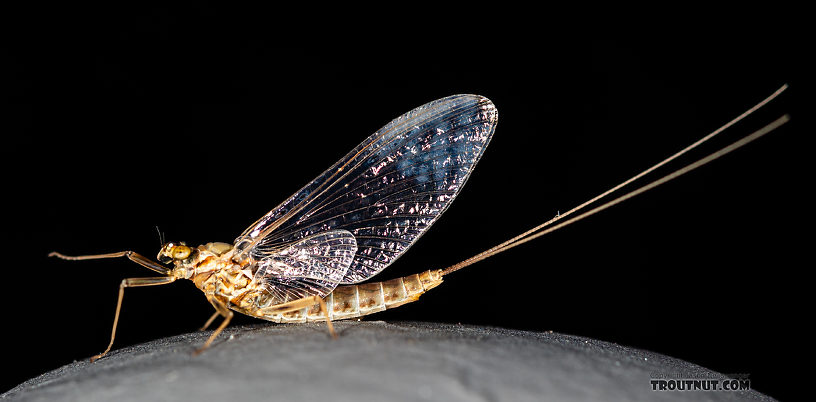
305 260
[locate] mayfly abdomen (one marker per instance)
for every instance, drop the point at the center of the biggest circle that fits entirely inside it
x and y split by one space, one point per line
354 301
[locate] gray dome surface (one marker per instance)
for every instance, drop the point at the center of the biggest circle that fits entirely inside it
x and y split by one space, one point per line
373 361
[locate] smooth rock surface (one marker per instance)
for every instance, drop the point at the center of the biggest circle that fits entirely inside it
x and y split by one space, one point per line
372 361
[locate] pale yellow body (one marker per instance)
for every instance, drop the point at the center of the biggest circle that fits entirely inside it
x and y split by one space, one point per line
354 301
213 271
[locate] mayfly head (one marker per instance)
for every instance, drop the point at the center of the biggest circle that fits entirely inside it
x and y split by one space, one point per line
173 251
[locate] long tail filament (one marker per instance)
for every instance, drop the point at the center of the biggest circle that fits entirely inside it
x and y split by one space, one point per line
548 227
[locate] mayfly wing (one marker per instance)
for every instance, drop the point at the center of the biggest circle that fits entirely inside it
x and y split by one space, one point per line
388 190
312 266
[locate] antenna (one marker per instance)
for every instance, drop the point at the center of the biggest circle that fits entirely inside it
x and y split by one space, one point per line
161 236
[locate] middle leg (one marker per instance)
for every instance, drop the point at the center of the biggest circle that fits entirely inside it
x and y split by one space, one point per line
222 309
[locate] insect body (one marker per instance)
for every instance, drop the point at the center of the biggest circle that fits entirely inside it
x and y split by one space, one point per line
211 269
303 260
307 258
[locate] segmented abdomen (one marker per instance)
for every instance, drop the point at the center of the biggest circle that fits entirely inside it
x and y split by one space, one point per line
354 301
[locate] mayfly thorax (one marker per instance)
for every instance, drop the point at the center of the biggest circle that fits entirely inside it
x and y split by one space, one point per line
308 259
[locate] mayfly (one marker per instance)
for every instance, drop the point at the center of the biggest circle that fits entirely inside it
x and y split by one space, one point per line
306 259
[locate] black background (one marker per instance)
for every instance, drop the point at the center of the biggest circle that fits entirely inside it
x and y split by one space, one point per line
199 121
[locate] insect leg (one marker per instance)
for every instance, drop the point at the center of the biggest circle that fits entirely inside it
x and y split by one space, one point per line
131 283
300 304
207 324
135 257
222 309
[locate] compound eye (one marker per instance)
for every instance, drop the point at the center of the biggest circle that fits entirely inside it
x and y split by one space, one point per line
181 252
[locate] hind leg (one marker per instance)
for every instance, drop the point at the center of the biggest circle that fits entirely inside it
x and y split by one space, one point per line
299 304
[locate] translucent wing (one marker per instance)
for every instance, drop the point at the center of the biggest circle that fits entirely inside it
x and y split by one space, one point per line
388 190
312 266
